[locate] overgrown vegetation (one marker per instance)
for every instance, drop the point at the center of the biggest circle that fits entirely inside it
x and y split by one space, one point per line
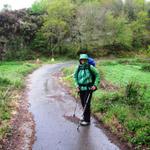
125 110
62 27
11 83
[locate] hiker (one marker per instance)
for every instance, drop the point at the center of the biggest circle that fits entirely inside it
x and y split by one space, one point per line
86 80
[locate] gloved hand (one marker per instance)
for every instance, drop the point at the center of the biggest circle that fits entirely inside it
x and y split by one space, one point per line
93 88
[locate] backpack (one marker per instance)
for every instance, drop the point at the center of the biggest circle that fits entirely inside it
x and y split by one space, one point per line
92 74
91 61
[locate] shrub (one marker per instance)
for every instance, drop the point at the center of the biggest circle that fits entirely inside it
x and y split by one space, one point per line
133 93
146 68
133 124
4 81
4 96
22 54
142 137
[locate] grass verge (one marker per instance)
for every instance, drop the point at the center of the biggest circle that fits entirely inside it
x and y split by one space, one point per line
12 76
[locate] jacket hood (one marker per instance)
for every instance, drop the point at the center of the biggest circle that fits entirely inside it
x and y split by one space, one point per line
83 56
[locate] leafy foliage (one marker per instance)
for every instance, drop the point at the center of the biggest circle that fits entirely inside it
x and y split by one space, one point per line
17 30
65 26
39 7
56 27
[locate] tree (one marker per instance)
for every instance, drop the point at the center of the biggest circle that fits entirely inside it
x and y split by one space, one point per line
89 24
117 7
18 28
140 32
57 23
97 27
117 32
39 7
133 7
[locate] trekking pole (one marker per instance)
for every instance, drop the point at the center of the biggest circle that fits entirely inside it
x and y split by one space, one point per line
87 100
75 107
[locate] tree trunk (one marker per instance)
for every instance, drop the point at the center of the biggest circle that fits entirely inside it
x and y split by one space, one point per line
1 53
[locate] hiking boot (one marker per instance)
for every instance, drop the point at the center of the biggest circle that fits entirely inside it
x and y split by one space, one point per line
84 123
81 119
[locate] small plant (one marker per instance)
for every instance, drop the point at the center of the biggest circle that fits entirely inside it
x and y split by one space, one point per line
133 124
133 93
4 96
146 68
4 81
5 115
142 136
5 129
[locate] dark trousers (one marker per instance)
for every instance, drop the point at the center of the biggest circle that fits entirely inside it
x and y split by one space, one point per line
83 96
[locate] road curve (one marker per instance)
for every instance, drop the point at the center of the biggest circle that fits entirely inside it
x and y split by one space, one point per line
51 106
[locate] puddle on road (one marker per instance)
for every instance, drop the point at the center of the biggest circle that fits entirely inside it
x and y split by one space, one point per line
55 98
73 119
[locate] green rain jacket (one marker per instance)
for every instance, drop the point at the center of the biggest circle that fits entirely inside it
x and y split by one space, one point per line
84 77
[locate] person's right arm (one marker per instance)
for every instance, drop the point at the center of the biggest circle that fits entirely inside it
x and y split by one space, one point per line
76 77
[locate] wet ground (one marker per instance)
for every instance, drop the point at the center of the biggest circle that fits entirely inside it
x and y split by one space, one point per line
53 108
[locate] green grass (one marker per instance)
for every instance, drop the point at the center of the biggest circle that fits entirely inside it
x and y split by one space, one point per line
121 74
14 72
12 75
134 98
125 110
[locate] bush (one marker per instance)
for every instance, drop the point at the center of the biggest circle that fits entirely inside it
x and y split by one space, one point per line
146 68
4 81
22 54
4 96
133 93
141 137
133 124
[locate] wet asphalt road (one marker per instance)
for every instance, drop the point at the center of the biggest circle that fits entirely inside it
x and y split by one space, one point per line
51 105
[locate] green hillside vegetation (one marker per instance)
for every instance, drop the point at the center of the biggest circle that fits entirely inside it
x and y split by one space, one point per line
62 27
